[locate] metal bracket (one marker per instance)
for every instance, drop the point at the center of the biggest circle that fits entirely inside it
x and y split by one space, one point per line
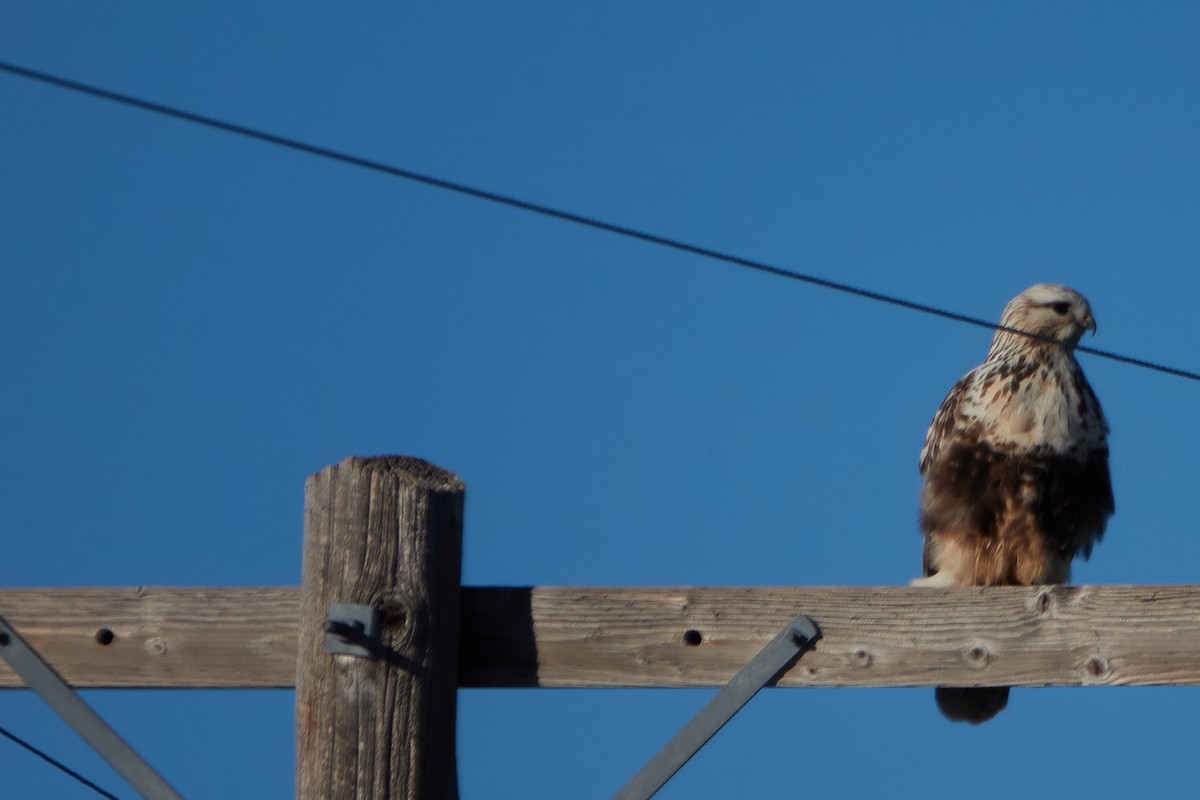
353 630
50 686
764 668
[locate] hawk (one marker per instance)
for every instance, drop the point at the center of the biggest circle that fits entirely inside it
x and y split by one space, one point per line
1016 467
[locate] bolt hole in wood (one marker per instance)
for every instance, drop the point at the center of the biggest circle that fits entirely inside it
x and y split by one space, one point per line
692 638
105 637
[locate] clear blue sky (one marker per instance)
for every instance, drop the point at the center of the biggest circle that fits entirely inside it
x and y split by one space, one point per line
194 322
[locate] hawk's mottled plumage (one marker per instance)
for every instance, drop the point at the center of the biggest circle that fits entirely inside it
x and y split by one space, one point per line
1016 466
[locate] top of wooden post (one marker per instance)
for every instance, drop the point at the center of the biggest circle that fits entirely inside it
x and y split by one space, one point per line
413 470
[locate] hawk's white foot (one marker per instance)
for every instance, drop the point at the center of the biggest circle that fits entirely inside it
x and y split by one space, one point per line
938 580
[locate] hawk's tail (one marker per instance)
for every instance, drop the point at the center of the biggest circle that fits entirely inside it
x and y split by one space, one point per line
971 705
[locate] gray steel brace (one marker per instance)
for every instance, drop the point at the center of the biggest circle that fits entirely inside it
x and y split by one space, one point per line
773 659
42 678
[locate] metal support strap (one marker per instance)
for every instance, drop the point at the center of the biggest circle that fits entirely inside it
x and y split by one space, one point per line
765 667
42 678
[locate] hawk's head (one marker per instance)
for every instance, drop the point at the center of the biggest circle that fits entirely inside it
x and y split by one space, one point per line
1052 311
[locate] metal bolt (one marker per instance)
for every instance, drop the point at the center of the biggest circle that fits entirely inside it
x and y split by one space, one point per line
346 631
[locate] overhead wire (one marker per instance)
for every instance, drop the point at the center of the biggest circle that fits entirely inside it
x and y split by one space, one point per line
55 763
556 213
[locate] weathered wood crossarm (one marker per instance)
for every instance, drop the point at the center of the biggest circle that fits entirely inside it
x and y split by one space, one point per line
666 637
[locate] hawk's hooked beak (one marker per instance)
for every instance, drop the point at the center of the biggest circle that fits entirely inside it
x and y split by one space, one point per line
1089 322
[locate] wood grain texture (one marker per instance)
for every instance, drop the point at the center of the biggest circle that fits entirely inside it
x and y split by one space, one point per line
1067 636
576 637
161 638
383 532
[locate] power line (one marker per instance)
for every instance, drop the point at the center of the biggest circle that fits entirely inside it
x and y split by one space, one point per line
548 211
56 764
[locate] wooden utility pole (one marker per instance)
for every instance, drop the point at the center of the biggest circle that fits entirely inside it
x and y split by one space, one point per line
383 532
386 533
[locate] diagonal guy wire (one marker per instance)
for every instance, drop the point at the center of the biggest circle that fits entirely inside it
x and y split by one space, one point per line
17 740
548 211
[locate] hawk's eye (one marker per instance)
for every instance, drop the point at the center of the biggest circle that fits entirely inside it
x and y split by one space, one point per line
1061 308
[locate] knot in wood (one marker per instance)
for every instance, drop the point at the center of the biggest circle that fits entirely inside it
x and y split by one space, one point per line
862 657
1097 667
401 620
1044 602
978 655
156 645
